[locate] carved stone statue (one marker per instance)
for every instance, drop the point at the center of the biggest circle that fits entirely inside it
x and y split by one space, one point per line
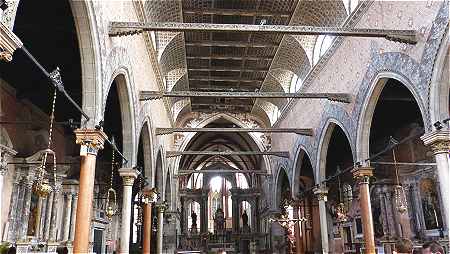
194 221
219 220
245 219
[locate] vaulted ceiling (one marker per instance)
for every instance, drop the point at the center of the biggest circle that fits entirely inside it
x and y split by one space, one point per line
237 61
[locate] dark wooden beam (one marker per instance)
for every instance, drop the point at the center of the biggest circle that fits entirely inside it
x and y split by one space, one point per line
230 57
221 171
231 69
131 28
236 12
224 79
239 44
306 132
170 154
153 95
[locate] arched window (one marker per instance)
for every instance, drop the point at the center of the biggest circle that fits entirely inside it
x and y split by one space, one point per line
296 83
350 5
323 42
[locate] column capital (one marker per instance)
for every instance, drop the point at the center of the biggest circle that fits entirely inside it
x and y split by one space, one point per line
362 174
128 175
91 140
150 195
321 192
9 42
438 141
6 154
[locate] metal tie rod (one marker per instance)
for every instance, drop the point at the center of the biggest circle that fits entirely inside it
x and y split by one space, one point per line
132 28
55 79
226 171
154 95
165 131
170 154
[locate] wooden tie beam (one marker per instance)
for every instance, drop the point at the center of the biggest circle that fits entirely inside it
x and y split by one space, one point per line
224 171
165 131
170 154
132 28
154 95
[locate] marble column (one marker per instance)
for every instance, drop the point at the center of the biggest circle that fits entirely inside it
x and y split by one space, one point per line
73 216
128 176
362 175
235 214
42 219
40 205
439 142
67 215
54 213
149 197
298 237
91 141
159 234
6 155
13 208
48 216
321 193
25 216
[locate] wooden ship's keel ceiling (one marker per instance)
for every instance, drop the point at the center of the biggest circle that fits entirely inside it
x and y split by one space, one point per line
245 46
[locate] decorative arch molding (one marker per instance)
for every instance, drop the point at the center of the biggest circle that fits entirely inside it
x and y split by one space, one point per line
160 163
232 119
119 70
439 101
324 141
147 139
300 155
417 75
90 57
281 167
368 106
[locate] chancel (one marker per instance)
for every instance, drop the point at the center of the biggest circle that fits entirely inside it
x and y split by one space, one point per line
213 126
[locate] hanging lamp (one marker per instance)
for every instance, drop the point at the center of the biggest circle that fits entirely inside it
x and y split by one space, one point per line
111 195
341 211
42 186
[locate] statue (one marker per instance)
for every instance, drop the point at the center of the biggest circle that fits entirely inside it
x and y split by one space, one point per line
194 221
245 219
219 220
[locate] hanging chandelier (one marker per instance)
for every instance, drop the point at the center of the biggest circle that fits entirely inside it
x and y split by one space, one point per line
42 186
341 208
400 199
111 196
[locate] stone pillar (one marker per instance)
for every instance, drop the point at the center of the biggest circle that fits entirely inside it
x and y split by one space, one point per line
73 217
54 213
159 233
203 214
48 215
321 193
128 176
149 197
13 205
42 219
6 154
25 216
297 230
66 221
38 216
91 141
362 175
439 142
235 214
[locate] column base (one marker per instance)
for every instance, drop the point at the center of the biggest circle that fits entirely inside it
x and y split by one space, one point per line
23 247
52 247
